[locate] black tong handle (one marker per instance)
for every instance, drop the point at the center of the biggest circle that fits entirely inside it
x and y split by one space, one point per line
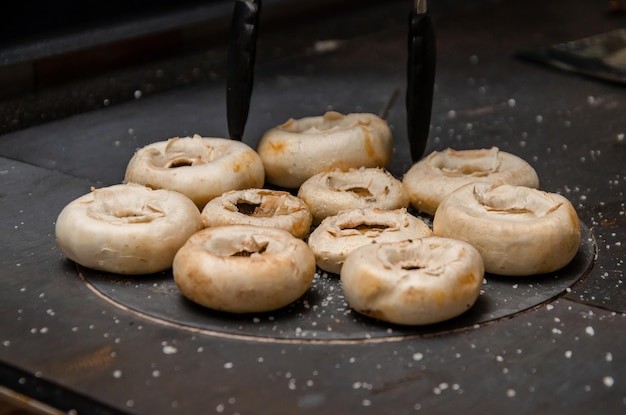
241 56
420 81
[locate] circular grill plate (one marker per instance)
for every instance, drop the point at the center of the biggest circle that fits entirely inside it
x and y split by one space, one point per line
322 314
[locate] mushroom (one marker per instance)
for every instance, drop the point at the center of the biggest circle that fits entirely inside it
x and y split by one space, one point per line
328 193
260 207
431 179
517 230
298 149
416 282
126 228
200 168
243 268
337 236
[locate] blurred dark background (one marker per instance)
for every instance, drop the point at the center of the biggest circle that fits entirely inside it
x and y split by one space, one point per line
62 57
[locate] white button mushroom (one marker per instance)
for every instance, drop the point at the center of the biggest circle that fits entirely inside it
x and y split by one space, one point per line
200 168
518 230
298 149
328 193
126 229
243 268
436 176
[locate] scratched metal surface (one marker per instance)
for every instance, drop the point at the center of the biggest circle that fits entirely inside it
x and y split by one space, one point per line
77 340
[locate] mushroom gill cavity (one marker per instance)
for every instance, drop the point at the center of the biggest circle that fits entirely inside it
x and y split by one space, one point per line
340 185
187 151
515 201
179 162
127 213
259 210
359 191
364 227
411 265
468 162
260 249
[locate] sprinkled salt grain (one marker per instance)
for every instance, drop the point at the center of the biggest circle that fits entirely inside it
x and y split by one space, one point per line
608 357
137 94
568 354
228 365
589 330
511 102
608 381
169 349
418 356
366 402
117 374
510 393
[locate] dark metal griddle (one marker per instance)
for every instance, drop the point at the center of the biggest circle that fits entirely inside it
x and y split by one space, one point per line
90 342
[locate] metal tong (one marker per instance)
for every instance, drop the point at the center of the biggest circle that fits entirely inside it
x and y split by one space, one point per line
420 71
420 78
241 56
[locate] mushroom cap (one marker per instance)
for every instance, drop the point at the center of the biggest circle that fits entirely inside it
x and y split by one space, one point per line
298 149
431 179
337 236
126 228
243 268
518 230
416 282
328 193
201 168
260 207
